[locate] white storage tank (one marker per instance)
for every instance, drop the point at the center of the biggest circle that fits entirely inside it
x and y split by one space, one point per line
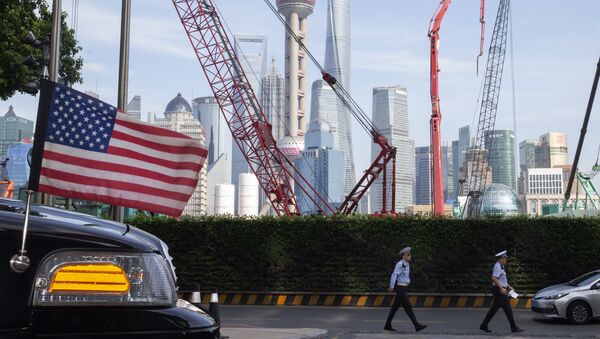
224 199
248 195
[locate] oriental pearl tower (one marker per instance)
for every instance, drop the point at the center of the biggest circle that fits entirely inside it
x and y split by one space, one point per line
296 13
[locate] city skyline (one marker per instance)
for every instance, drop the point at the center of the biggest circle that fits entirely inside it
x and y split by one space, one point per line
385 52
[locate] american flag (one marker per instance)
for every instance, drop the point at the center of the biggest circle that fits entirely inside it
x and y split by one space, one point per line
86 149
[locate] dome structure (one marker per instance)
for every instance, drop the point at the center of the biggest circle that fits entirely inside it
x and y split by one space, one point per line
303 8
499 200
290 147
178 104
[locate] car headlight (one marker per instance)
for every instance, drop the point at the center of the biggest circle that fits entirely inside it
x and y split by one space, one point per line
555 296
81 278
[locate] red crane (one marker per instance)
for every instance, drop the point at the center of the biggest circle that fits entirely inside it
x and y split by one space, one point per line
436 113
250 128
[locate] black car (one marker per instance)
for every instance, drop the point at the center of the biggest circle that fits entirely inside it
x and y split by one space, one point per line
90 278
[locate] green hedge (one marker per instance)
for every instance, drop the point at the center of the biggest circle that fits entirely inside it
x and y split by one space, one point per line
357 254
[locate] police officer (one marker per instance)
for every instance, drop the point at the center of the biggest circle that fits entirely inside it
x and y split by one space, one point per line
500 288
399 282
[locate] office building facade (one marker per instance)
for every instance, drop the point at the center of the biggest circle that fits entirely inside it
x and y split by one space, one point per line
273 100
422 175
134 107
322 166
390 116
338 63
552 150
13 129
500 147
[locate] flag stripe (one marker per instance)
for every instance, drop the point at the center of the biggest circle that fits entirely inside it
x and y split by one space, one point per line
157 146
181 172
112 184
107 171
108 193
189 159
127 121
132 154
134 203
156 138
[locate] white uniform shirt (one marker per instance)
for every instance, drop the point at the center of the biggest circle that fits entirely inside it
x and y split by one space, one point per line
401 274
500 274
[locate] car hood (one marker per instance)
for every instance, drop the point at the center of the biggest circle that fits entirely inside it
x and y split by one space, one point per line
557 289
79 230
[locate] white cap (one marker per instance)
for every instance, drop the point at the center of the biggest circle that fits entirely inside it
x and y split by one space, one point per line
501 254
405 250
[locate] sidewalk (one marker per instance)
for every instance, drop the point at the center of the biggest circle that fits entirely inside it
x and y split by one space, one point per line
273 333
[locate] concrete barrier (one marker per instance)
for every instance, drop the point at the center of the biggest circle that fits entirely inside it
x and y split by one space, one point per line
436 300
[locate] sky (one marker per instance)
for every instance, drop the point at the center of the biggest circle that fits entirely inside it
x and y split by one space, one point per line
555 51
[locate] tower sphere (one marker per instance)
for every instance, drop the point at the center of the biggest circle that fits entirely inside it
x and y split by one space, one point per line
303 8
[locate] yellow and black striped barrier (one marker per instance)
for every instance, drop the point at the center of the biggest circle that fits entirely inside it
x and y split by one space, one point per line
435 300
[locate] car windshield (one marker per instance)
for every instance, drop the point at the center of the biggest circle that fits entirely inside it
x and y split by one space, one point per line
585 279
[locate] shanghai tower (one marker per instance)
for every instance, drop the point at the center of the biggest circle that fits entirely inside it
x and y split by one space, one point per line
337 63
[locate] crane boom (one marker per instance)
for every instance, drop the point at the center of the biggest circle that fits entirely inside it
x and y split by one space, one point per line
244 115
488 109
436 112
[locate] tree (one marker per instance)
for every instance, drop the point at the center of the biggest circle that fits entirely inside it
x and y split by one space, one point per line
17 19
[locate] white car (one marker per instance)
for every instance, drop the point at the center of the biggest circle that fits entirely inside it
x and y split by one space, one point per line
577 300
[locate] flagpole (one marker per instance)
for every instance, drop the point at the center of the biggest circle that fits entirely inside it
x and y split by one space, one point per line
19 263
46 199
118 211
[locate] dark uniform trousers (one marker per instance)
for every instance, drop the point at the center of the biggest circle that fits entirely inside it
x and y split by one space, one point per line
401 300
500 300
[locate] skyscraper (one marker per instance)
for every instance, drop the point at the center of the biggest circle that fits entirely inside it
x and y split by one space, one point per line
500 145
134 107
552 150
218 164
322 166
273 100
179 118
448 172
526 161
208 112
390 116
338 64
422 176
464 142
296 13
13 129
252 52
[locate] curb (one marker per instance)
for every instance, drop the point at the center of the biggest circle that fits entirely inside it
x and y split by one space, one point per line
431 300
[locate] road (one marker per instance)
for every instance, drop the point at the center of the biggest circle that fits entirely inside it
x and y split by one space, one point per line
363 323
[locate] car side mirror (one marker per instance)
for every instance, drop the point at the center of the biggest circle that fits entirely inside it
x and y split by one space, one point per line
596 286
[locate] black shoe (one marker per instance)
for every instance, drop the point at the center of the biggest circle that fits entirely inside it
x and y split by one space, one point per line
389 328
420 327
517 330
485 329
